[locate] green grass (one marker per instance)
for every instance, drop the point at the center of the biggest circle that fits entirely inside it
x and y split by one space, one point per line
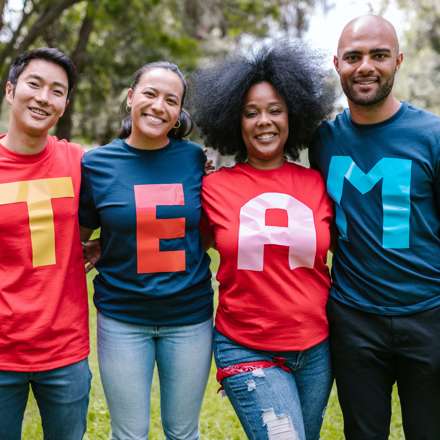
217 422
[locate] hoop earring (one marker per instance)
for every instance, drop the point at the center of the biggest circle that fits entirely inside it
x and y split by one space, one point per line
127 108
177 124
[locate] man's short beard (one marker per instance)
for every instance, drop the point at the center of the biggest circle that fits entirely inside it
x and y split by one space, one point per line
378 97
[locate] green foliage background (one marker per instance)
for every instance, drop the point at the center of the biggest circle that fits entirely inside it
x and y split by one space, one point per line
110 39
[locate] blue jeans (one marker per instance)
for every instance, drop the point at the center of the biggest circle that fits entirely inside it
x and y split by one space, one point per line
272 403
127 355
62 397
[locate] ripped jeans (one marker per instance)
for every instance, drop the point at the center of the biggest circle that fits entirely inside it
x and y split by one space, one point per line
273 404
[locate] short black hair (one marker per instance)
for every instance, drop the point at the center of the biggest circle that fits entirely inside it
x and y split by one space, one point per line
185 122
50 54
292 68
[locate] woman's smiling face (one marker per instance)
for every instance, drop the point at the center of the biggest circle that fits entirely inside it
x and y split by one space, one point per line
264 126
155 105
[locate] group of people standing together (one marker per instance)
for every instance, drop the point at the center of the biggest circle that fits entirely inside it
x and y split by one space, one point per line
278 339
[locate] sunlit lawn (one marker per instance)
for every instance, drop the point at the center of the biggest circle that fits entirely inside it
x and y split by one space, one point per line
218 421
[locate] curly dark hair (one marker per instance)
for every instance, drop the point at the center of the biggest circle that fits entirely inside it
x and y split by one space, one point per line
294 70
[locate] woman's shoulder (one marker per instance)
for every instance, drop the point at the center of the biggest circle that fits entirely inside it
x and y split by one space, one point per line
221 173
304 172
101 151
188 144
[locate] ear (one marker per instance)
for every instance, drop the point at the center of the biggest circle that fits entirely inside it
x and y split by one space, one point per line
10 92
336 62
399 60
129 97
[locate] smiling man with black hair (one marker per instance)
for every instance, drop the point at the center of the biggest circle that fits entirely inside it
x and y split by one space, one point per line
44 341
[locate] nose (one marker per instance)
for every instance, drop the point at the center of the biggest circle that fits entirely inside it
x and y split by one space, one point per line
366 65
158 105
43 95
263 118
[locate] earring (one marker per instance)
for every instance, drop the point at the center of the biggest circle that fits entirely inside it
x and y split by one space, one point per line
177 124
127 108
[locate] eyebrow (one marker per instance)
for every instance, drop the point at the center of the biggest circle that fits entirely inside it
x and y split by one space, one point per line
372 51
157 90
380 49
40 78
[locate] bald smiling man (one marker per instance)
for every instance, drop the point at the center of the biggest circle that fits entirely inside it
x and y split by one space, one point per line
381 161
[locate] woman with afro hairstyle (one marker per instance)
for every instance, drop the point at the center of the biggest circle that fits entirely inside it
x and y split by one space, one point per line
270 221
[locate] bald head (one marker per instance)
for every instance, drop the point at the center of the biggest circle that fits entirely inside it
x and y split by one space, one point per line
367 60
369 25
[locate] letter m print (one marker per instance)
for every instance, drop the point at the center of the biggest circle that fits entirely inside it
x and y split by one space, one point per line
396 182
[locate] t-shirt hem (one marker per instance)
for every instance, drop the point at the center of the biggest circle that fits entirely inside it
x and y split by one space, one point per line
199 318
45 366
401 310
310 344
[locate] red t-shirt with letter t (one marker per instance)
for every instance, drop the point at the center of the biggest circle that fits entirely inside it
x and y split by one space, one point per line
43 294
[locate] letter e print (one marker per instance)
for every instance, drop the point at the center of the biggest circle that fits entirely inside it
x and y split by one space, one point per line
150 229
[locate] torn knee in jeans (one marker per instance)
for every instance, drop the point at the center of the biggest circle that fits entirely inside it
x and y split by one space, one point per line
251 385
279 427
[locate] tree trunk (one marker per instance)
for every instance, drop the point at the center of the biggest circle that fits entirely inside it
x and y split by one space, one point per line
2 10
64 126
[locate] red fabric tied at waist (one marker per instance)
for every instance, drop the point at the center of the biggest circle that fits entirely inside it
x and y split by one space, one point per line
247 367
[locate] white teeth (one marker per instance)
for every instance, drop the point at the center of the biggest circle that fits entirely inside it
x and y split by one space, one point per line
154 119
265 137
39 111
365 81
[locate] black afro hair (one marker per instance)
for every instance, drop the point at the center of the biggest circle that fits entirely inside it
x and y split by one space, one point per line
295 71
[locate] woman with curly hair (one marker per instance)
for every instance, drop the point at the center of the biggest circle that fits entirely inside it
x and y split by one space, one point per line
270 221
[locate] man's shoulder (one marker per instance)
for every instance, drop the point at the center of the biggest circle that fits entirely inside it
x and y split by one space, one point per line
422 115
64 146
331 130
340 120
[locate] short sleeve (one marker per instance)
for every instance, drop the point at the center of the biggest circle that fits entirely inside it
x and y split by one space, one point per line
88 214
325 207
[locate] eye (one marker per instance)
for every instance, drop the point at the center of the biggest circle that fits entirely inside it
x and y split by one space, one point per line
33 84
172 101
351 58
380 56
149 94
275 110
58 92
249 113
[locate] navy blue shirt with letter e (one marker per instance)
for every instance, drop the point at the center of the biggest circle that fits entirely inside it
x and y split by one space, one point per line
153 269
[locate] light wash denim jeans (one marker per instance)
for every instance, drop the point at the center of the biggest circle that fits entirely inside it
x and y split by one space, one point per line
62 396
127 356
272 403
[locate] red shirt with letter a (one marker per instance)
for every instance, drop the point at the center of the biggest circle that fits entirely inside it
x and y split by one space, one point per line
272 230
43 294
